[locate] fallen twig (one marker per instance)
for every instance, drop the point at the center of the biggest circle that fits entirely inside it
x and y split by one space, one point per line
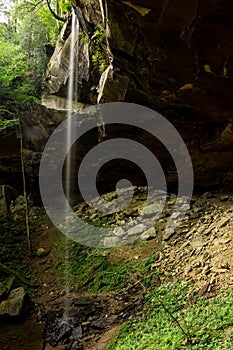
9 271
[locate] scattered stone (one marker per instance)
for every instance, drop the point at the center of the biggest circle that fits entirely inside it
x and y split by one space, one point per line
207 195
224 198
196 242
77 333
176 215
14 307
149 234
111 241
184 207
119 232
153 209
93 216
136 230
221 241
168 234
41 252
224 221
225 266
103 323
17 209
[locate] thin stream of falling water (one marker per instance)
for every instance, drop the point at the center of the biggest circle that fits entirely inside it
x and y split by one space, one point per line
74 46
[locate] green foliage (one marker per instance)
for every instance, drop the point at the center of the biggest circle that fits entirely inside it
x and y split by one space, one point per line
11 233
14 248
88 263
98 49
13 64
16 88
83 37
65 6
208 323
5 123
29 26
150 275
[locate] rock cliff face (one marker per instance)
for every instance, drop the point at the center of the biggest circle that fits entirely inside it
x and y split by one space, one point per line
175 57
37 124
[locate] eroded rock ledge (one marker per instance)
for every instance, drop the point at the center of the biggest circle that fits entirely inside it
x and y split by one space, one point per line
179 61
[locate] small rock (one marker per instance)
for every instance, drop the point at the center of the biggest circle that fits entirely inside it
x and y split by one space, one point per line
201 229
20 200
224 221
149 234
207 195
119 232
93 216
77 333
225 265
14 306
41 252
184 207
105 322
168 234
76 346
111 241
136 230
153 209
195 215
196 242
176 215
224 198
218 241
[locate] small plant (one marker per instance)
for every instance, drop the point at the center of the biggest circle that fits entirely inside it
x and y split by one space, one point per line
92 267
98 49
8 123
180 324
83 37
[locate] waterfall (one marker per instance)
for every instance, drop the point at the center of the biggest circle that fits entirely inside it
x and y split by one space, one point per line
72 90
72 93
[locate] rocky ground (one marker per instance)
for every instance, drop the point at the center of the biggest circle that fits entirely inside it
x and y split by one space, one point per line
200 248
199 251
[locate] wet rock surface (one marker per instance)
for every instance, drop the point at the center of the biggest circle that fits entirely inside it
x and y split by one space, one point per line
81 320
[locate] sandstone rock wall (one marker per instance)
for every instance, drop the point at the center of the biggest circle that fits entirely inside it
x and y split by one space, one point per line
38 124
178 58
173 56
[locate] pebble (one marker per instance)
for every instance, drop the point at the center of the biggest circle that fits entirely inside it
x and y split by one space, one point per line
149 234
224 198
136 230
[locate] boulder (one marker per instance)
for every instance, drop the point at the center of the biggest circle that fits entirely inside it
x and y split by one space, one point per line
15 306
